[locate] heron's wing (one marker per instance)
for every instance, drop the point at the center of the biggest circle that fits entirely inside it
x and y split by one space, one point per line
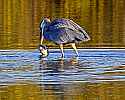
64 23
58 24
67 23
79 29
64 30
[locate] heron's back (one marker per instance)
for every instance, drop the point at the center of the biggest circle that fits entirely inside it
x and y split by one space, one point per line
65 31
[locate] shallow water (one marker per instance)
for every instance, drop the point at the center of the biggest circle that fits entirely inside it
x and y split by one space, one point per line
94 75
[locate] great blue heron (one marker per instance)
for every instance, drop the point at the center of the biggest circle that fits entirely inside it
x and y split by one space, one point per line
62 31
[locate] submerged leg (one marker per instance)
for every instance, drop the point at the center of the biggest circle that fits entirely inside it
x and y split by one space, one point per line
61 47
74 47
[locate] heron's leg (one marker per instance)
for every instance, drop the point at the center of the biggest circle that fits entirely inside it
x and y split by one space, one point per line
61 47
74 47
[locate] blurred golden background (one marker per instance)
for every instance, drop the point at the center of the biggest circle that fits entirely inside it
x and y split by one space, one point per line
104 20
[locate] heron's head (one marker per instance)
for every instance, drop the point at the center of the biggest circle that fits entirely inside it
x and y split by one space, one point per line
43 50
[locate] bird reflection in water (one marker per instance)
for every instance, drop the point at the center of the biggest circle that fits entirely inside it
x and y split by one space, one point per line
54 70
57 64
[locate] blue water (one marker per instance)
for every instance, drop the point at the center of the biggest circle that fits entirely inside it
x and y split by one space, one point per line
92 66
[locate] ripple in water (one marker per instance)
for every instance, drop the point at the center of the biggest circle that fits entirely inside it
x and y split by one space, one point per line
92 66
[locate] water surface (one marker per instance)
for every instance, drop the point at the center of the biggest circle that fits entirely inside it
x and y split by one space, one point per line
94 75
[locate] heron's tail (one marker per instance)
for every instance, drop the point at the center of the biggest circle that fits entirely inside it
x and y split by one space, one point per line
82 35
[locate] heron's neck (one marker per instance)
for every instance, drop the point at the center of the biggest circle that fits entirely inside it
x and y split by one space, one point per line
43 26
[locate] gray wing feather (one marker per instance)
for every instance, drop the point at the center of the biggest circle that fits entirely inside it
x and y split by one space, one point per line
79 30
